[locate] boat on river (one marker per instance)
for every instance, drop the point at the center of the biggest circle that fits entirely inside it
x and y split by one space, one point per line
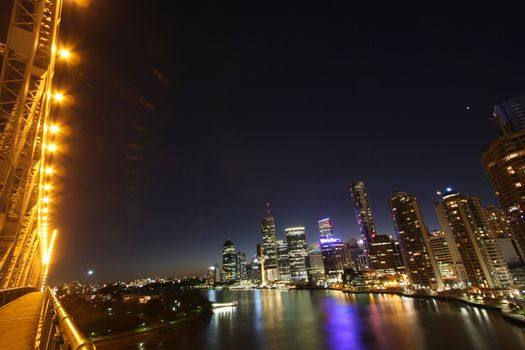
216 305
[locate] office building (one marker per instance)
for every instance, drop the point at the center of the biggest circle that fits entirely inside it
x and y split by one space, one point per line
297 252
510 115
448 261
363 214
504 163
332 250
314 264
386 256
270 270
241 273
413 238
283 261
325 228
229 262
478 249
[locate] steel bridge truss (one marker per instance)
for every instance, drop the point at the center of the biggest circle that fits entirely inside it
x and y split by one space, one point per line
26 77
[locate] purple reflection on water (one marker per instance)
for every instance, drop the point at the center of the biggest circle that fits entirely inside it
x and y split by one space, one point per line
341 324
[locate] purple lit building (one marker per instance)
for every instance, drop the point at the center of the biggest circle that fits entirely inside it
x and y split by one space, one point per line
363 215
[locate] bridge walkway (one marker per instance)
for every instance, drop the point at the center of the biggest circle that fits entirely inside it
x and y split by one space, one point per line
19 322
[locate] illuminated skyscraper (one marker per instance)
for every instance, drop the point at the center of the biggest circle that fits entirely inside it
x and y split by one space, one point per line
504 162
240 267
314 264
479 251
283 261
229 262
363 214
448 260
325 228
333 251
386 258
269 249
413 237
510 115
498 222
297 252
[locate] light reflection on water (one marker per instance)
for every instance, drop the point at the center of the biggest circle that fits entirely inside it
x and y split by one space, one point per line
302 319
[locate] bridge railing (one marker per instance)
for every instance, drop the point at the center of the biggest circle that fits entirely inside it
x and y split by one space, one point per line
58 331
8 295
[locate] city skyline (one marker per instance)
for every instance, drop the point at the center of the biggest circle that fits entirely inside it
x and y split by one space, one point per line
179 146
223 175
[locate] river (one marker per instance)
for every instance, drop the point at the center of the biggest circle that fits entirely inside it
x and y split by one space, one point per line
318 319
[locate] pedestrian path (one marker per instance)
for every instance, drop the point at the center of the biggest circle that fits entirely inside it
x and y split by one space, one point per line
19 322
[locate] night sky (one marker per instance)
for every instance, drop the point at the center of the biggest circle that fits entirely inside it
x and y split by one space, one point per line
187 120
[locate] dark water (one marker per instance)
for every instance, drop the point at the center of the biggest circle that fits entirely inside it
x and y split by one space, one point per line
282 319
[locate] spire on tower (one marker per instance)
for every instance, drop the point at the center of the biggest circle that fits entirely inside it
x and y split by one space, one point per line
268 208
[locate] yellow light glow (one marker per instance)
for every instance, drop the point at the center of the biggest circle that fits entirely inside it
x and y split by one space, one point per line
64 53
45 199
45 210
49 171
57 96
51 147
54 129
45 217
47 187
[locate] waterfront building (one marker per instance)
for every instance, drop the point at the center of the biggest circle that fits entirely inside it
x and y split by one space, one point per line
314 264
217 270
498 222
504 163
210 276
255 270
363 214
510 248
270 270
514 259
448 261
332 250
386 257
413 238
479 251
297 252
229 262
240 267
355 255
283 261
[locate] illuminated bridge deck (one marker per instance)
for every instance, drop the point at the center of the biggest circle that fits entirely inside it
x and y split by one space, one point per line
19 322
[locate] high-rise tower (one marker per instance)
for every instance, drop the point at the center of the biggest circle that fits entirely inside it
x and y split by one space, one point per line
413 237
363 214
510 115
479 251
269 248
504 163
229 262
325 228
297 252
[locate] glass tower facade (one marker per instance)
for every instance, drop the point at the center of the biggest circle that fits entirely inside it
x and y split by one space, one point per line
297 252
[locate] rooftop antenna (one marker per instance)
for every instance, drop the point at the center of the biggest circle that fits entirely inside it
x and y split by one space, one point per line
268 207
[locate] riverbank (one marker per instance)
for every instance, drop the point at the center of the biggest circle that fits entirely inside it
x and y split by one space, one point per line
506 314
165 331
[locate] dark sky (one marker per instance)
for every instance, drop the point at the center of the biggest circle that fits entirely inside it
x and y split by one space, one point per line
187 120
